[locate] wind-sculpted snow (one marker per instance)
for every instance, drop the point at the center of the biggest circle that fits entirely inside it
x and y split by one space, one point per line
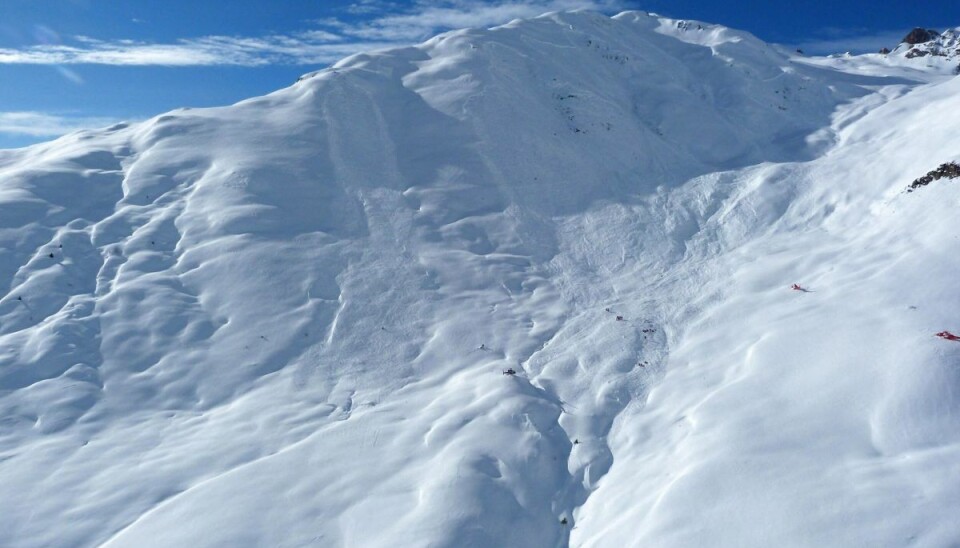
287 322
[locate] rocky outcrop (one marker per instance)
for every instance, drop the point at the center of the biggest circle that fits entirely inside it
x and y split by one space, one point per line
931 47
950 170
920 36
916 52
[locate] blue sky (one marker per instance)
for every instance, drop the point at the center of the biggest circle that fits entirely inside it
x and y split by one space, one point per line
67 64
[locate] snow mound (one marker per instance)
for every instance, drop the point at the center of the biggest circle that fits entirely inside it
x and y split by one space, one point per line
285 322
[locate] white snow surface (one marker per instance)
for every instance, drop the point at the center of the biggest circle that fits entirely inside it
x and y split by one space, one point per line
284 322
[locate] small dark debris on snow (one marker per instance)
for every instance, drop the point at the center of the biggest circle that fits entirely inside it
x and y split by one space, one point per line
51 255
511 372
619 318
576 442
563 521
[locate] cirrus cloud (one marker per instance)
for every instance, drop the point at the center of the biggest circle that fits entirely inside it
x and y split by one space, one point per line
373 25
39 124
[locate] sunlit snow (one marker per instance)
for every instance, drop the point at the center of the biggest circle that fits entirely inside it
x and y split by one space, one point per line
287 322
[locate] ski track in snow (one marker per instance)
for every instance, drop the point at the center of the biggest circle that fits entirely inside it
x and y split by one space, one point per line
285 322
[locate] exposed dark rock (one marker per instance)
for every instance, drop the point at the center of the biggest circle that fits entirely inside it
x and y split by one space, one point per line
884 51
950 170
920 36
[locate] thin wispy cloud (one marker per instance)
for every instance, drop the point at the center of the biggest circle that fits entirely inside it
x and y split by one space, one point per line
38 124
313 47
373 25
364 7
431 17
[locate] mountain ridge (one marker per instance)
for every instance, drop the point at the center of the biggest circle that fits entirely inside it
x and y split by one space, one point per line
921 43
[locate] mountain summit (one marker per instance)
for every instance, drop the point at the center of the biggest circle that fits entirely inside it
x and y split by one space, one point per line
575 280
920 36
920 43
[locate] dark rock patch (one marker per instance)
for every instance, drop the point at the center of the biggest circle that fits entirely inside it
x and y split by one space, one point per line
949 170
920 36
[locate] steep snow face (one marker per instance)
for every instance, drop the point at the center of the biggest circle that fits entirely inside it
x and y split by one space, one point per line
805 417
286 322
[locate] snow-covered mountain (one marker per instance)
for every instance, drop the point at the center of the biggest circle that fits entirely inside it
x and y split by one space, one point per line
287 322
928 42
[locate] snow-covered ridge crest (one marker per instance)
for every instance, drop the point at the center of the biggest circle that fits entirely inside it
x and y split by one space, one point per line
522 286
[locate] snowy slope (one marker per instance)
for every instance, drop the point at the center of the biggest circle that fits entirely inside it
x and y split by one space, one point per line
284 322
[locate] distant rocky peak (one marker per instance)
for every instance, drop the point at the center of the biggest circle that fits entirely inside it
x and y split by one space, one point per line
921 42
920 36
